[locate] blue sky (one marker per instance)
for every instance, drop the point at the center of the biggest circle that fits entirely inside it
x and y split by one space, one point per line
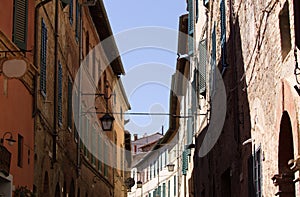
149 97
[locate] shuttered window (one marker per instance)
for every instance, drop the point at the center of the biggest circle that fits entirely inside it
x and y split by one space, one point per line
93 144
70 86
169 188
99 154
175 188
77 22
59 94
71 11
223 32
190 27
202 67
43 59
189 128
184 162
257 173
20 23
197 10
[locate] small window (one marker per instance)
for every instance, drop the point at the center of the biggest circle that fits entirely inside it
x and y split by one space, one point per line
20 150
285 34
43 59
59 94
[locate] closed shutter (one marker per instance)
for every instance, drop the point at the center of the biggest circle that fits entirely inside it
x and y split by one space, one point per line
190 27
184 162
213 62
20 23
202 67
59 93
43 59
223 31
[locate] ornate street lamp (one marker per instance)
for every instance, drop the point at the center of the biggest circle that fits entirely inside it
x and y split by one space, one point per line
171 167
10 140
139 184
107 122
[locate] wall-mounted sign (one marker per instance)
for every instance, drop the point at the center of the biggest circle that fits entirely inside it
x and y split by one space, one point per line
13 67
4 160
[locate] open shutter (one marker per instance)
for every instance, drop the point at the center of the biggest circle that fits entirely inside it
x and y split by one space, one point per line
202 67
20 23
190 27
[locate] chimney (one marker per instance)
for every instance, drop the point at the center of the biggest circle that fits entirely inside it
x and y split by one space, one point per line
135 137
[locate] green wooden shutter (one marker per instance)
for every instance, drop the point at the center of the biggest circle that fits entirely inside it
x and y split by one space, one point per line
20 23
202 67
175 185
190 27
164 190
169 188
43 59
197 10
59 93
189 128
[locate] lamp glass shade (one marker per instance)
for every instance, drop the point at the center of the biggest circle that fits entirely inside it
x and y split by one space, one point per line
139 184
107 122
171 167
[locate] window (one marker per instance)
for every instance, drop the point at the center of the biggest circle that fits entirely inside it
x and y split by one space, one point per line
20 150
297 22
257 172
20 23
202 67
99 154
169 188
77 24
285 34
43 58
164 190
93 142
184 162
213 61
87 48
59 93
71 11
174 185
223 31
105 160
70 86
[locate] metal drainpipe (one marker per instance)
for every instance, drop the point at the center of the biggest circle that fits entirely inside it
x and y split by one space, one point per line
54 135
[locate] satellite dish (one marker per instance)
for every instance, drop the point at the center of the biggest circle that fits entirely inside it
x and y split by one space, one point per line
14 67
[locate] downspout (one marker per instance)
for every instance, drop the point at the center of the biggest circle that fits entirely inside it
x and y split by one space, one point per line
54 135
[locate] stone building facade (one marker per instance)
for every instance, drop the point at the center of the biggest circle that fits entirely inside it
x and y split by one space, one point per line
255 46
72 152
